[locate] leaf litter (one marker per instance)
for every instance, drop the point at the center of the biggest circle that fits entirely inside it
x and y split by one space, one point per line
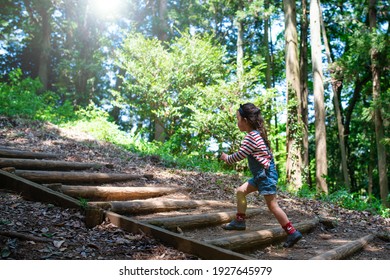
70 239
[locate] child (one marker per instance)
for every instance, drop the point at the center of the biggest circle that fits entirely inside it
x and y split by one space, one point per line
256 148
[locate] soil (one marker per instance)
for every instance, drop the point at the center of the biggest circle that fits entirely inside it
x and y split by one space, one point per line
63 234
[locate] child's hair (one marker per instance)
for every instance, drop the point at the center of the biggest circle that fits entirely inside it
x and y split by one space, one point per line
253 115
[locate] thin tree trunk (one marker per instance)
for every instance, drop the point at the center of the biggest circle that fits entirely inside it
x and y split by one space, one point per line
304 93
44 57
162 35
379 128
268 77
336 87
319 106
294 121
240 51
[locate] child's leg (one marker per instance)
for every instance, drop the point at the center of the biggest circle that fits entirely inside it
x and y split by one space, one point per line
293 234
239 222
241 193
273 206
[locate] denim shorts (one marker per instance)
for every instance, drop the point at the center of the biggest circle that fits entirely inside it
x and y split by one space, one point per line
265 180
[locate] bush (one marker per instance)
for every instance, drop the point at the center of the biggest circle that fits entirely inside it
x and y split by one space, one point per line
22 97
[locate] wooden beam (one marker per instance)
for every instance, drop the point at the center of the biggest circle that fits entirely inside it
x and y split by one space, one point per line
34 191
346 250
153 206
201 220
37 192
115 193
181 243
13 153
77 177
251 239
32 164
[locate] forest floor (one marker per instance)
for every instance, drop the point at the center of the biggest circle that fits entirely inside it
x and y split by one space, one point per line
69 238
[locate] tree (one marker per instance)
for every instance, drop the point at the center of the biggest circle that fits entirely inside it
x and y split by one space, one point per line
303 63
337 85
240 46
294 120
378 121
319 106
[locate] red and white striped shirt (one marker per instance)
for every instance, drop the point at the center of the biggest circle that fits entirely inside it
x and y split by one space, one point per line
253 144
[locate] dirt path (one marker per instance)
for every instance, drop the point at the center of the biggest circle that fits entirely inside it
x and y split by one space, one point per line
74 241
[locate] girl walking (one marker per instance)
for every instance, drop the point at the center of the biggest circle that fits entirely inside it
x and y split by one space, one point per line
256 147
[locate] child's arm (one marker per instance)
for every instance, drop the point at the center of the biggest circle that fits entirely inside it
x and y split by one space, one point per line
224 157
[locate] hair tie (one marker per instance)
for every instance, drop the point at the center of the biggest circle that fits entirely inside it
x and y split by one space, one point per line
241 110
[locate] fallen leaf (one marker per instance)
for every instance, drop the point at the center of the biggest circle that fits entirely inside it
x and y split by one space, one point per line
58 243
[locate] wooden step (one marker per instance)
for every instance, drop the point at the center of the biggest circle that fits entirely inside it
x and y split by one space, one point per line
346 250
77 177
251 239
201 220
154 206
115 193
14 153
33 164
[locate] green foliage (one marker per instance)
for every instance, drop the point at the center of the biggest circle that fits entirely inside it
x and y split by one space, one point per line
96 122
19 96
22 97
359 201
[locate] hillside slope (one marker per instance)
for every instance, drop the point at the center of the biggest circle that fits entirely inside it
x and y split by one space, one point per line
108 242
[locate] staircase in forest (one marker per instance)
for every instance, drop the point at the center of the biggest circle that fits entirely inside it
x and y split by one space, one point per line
191 226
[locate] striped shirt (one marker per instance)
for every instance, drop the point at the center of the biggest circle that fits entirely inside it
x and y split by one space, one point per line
253 144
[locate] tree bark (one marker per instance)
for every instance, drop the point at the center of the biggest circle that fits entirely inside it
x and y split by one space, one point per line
378 121
336 87
319 106
294 119
240 50
162 35
44 58
304 92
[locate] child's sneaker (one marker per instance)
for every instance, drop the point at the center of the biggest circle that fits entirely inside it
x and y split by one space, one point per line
235 225
292 239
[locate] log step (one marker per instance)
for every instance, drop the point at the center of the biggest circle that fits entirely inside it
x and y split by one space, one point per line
197 221
33 164
251 239
346 250
14 153
77 177
115 193
154 206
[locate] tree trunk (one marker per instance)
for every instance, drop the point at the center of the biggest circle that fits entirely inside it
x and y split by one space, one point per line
336 87
44 57
378 121
304 93
294 120
162 35
240 50
319 106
